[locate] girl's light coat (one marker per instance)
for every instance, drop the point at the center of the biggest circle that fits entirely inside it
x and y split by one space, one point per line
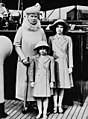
42 73
63 53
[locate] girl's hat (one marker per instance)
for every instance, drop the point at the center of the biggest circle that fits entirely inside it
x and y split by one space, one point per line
59 22
33 9
41 44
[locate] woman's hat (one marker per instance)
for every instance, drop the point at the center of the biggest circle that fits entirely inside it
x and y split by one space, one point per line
34 9
41 44
61 22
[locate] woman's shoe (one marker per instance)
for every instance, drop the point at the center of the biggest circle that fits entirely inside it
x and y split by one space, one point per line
25 110
3 115
38 116
60 110
55 110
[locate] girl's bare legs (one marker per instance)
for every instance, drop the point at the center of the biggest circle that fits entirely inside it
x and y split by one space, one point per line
61 95
55 97
45 107
39 104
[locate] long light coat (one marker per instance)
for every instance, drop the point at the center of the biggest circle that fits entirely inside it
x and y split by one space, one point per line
42 73
63 54
26 39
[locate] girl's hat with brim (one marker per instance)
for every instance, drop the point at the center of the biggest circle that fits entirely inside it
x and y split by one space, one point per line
41 44
59 22
34 9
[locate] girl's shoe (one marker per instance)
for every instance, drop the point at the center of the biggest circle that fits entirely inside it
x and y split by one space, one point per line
55 110
60 110
38 116
44 116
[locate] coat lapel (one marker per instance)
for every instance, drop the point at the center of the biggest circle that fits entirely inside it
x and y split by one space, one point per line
58 46
42 61
46 59
60 41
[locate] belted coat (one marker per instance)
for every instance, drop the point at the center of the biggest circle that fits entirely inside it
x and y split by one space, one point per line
42 74
62 50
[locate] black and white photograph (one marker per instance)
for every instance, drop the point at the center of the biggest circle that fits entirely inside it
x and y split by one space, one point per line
43 59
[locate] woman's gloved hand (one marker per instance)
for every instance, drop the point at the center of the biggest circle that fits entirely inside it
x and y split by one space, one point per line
26 62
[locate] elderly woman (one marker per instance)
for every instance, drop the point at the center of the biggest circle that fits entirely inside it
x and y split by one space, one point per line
27 36
61 46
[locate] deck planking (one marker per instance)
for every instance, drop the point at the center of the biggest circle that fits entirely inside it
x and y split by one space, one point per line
14 110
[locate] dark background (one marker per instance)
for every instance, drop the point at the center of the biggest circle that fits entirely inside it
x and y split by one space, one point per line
45 4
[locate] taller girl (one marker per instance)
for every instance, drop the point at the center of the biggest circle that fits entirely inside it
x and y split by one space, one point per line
61 46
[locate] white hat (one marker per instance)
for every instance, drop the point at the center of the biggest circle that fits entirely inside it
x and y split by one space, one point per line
33 9
61 22
41 44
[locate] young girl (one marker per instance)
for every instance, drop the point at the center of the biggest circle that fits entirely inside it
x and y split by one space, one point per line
61 46
42 77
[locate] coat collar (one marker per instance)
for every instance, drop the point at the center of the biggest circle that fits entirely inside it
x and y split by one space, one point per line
60 40
26 25
46 59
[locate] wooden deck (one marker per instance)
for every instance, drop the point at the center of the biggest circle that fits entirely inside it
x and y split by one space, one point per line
14 110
